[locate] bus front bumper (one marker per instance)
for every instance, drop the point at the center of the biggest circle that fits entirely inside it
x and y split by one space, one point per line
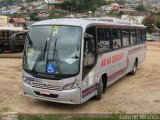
65 96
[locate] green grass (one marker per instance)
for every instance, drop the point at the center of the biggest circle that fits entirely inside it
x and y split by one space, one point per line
64 117
86 117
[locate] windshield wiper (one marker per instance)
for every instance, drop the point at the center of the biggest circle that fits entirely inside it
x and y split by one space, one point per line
56 56
26 48
75 57
41 56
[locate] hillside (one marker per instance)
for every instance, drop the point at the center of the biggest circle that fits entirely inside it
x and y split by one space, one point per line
14 2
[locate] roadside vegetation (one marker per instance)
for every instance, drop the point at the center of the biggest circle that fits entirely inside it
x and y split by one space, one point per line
152 22
67 117
141 8
81 5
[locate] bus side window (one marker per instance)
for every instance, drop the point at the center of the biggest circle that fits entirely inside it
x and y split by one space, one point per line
139 36
125 37
104 39
116 37
133 39
143 35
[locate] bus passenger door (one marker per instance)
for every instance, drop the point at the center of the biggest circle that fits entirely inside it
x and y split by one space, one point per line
89 59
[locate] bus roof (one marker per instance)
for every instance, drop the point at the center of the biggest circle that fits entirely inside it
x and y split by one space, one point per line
84 22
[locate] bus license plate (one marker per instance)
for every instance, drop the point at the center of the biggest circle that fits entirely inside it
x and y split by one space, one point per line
45 92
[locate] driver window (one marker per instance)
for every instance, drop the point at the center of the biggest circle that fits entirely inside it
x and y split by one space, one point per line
89 52
89 47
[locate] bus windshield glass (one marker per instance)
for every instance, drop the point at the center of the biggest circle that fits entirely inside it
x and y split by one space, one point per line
53 50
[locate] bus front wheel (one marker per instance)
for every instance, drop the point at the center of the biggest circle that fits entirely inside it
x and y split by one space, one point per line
99 89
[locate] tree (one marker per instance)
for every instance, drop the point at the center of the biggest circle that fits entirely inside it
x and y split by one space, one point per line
152 22
141 8
149 22
112 14
81 5
33 16
121 2
57 14
121 13
15 15
157 20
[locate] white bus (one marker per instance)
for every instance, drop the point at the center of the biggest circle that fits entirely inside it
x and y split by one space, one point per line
72 60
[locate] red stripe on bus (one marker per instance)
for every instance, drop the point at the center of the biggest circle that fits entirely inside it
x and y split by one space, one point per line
124 69
94 87
117 73
89 90
136 49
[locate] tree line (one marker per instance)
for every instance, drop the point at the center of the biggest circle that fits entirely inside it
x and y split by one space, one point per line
81 5
13 2
152 22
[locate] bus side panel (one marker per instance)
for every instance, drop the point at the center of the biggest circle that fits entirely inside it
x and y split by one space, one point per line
113 63
139 52
89 86
116 65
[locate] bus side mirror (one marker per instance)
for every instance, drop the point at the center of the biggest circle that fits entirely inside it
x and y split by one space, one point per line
89 43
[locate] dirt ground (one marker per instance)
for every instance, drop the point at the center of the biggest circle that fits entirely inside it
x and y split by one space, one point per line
131 94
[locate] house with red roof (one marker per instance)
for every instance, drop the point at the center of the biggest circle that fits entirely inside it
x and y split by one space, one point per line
18 22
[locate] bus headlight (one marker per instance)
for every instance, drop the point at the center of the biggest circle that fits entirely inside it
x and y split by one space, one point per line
71 85
27 81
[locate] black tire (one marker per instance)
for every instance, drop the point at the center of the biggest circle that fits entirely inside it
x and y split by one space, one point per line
1 50
12 45
99 90
133 72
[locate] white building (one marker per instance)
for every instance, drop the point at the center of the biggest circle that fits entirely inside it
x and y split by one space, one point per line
53 1
133 18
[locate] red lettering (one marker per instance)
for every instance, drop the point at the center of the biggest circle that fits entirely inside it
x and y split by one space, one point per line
109 60
103 62
117 57
113 59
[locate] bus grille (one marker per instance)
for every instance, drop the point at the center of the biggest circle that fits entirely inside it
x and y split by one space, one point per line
44 86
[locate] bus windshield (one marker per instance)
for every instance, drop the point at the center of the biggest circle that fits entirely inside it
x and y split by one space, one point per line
53 50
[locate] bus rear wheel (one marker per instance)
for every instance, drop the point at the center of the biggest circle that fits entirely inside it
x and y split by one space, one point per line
133 72
99 90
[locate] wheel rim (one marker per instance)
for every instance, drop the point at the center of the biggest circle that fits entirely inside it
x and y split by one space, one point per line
101 90
134 69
